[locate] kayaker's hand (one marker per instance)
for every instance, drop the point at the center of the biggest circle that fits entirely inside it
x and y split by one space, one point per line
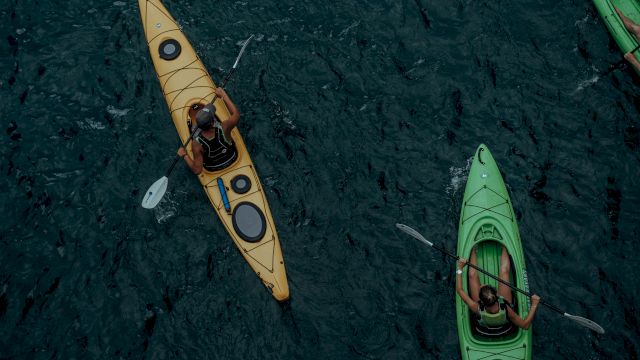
221 93
461 263
628 56
535 299
181 151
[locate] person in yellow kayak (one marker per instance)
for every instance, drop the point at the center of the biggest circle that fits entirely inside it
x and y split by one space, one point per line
634 29
493 308
213 149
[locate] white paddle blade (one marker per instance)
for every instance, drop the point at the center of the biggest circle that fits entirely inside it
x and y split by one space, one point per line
586 323
413 233
155 193
242 51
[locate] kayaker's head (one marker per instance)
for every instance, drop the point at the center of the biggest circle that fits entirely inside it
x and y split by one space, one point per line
488 295
206 117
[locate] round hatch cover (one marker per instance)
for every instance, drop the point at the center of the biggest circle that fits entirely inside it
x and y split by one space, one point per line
249 222
240 184
169 49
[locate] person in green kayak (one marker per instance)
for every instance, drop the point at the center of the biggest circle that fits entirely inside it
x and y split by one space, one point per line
493 308
634 29
213 149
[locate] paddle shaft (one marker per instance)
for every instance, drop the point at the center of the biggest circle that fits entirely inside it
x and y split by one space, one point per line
178 157
443 250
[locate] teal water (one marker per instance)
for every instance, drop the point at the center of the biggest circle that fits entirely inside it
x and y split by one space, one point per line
358 115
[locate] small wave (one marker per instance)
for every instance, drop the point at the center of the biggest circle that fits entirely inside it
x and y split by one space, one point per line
270 181
64 175
117 112
582 21
279 21
165 210
585 84
90 124
348 29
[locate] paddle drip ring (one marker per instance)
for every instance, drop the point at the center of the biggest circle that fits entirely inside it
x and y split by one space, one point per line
169 49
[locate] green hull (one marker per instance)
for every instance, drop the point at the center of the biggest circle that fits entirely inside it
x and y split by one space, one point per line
488 221
631 9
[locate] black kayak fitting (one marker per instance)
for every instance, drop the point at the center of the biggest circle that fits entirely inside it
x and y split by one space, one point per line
169 49
241 184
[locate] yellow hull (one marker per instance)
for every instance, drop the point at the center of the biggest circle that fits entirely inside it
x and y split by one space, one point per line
185 82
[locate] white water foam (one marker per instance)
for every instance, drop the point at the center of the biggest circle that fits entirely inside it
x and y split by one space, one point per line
585 84
165 210
90 124
348 29
580 23
117 112
459 177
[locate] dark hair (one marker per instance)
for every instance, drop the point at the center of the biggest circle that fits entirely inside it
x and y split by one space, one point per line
488 295
206 117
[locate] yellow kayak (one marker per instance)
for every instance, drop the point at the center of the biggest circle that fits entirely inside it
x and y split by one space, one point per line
235 192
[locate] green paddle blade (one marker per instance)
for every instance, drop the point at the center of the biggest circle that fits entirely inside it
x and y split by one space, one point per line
155 193
586 323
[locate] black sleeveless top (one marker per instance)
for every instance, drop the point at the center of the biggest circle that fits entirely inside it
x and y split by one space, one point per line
218 154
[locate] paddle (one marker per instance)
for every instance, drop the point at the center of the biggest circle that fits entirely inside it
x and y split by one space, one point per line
156 191
580 320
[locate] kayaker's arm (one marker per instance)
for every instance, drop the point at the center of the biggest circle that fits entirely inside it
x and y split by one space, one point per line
194 164
463 295
232 121
517 320
631 58
633 28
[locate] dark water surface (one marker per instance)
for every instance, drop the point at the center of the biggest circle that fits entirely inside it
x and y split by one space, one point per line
358 115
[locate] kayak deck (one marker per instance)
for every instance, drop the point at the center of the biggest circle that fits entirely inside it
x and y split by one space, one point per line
631 9
487 221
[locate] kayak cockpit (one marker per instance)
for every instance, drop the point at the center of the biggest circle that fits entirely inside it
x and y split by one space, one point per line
489 251
501 332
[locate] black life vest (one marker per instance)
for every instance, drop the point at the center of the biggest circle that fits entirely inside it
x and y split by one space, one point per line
218 153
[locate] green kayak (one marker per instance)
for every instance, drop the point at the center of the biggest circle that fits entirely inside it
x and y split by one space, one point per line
631 9
487 221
